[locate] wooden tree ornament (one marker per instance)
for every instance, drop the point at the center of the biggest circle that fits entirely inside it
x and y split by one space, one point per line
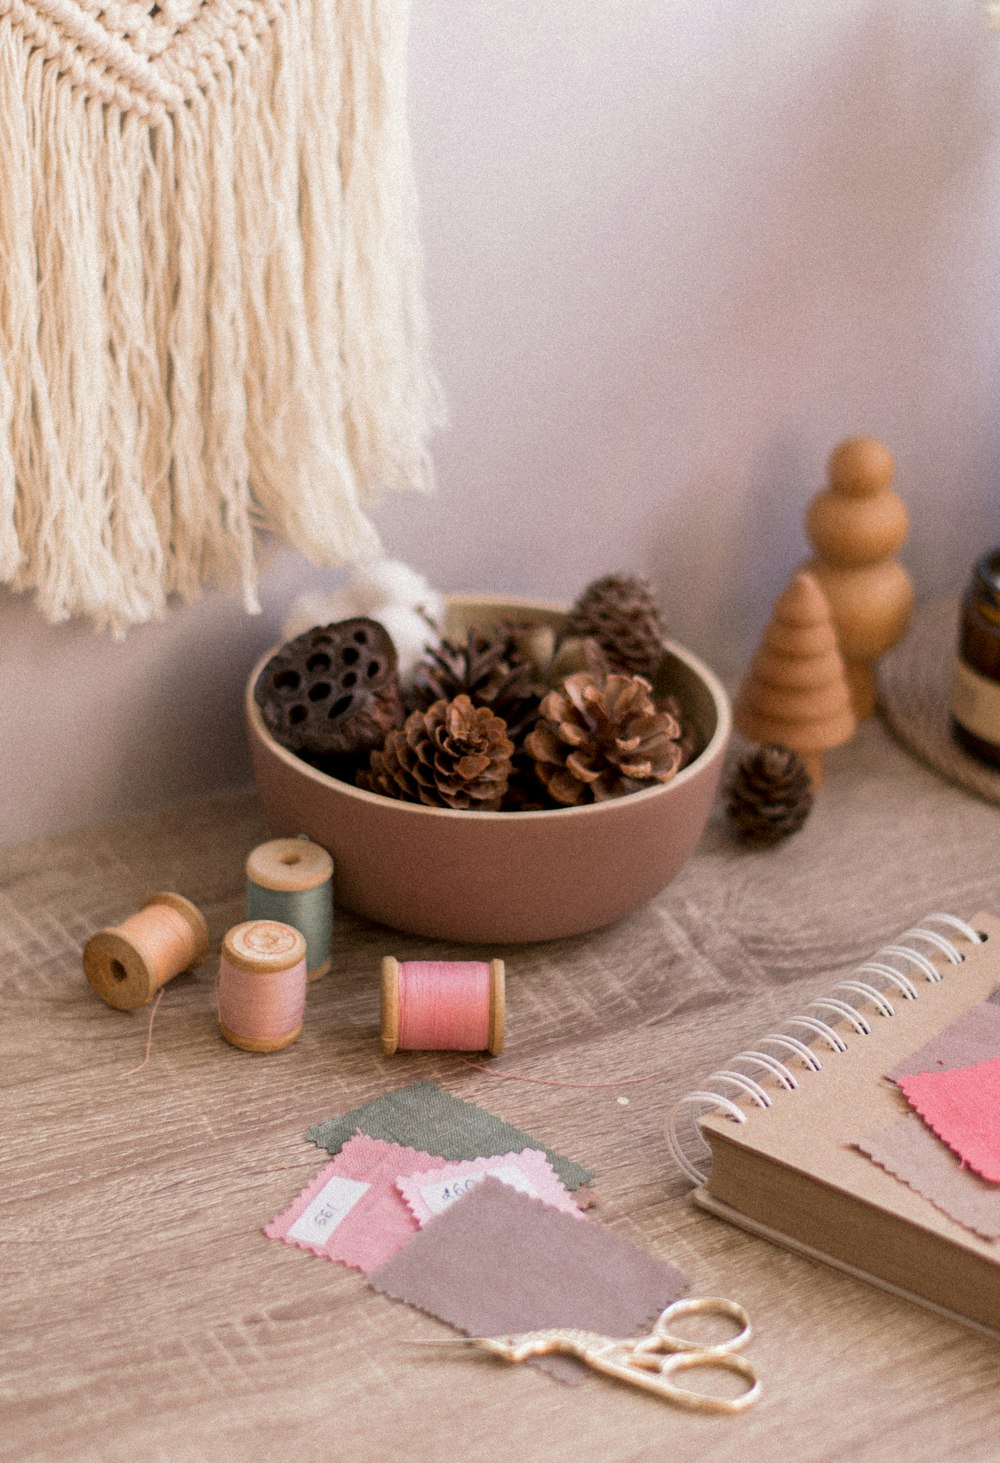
856 525
795 693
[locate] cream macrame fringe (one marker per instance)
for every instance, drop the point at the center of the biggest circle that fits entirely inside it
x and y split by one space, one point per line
211 318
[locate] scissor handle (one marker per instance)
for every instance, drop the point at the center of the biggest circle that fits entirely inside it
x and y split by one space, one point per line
718 1361
662 1338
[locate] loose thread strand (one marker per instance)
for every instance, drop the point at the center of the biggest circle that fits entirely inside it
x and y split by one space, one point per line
149 1037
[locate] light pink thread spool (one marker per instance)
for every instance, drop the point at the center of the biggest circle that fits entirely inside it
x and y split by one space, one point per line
262 985
442 1005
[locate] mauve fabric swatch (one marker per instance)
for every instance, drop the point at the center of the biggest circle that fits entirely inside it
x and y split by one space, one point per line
973 1037
352 1210
910 1151
962 1106
424 1116
499 1263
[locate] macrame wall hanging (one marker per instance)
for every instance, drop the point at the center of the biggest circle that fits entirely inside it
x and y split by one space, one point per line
210 311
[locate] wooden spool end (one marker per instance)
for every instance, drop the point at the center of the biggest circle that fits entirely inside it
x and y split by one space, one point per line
127 964
263 945
390 1005
258 1044
498 1008
290 865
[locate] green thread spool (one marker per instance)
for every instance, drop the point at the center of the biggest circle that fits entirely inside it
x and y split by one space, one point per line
291 880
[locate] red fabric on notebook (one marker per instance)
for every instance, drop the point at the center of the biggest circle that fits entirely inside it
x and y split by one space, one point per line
962 1106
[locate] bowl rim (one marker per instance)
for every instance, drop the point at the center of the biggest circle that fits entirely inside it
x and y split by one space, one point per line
714 747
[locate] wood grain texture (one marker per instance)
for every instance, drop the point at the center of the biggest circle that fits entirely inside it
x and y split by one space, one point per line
144 1316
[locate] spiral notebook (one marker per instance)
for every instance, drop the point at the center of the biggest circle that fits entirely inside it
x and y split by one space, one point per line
769 1138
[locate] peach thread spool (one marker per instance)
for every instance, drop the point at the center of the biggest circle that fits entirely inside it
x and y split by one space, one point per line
442 1005
262 985
128 963
291 880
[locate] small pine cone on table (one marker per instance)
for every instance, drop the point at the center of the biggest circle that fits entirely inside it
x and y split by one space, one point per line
769 796
622 613
453 755
602 737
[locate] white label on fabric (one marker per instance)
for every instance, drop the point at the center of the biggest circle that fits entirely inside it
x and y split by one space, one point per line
329 1208
438 1196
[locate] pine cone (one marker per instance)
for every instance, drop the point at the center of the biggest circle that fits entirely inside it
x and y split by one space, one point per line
687 738
333 691
623 615
601 738
532 642
769 795
578 654
489 670
454 755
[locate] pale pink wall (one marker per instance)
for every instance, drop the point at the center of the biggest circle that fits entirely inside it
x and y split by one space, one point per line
675 251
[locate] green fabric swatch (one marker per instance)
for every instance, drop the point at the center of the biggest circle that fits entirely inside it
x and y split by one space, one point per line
424 1116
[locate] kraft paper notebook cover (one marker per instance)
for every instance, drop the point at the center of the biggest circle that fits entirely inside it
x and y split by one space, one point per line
780 1162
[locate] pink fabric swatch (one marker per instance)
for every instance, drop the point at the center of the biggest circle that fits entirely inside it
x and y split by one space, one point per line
429 1194
498 1262
973 1037
352 1210
963 1108
910 1151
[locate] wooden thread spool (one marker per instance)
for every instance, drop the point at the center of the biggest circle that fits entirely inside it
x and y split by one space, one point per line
128 963
442 1006
262 985
291 880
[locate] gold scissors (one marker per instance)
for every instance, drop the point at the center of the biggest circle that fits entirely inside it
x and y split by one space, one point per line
652 1361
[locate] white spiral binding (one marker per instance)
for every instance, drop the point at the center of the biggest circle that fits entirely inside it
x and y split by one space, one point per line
741 1075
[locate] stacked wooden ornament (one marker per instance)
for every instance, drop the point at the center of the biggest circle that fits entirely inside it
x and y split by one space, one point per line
811 678
856 525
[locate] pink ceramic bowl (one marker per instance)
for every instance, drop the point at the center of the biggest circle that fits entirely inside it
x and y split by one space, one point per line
500 878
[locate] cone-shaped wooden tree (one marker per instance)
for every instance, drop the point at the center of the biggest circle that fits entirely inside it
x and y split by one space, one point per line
795 693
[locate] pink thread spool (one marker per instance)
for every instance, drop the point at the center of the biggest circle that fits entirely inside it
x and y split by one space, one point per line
442 1006
128 963
262 985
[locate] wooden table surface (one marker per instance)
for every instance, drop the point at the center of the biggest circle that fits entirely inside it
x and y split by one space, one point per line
144 1315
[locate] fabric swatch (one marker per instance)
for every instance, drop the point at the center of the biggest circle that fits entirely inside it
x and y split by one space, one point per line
963 1108
424 1116
498 1262
352 1210
431 1193
974 1037
910 1151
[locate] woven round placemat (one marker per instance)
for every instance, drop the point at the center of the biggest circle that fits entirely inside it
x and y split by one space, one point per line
914 686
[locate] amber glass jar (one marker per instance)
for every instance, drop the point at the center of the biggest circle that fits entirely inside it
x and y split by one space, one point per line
975 695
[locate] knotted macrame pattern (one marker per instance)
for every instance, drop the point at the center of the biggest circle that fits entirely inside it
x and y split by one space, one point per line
211 319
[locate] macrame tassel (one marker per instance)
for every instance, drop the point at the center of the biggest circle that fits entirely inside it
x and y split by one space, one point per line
211 319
